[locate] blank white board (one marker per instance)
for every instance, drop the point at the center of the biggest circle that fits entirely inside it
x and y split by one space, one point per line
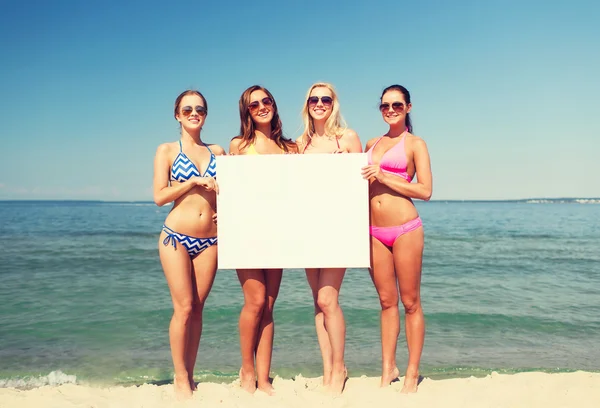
293 211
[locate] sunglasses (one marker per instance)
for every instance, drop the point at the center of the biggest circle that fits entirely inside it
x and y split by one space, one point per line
187 110
253 106
396 106
326 100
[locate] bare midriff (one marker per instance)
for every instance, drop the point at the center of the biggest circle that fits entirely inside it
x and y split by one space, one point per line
192 213
388 207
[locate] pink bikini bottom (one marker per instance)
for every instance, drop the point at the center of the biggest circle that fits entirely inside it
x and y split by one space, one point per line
388 235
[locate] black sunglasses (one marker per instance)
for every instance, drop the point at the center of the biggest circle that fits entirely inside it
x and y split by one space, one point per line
326 100
265 101
187 110
396 106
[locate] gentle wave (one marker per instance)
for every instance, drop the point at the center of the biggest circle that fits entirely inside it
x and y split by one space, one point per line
54 378
440 373
564 201
57 378
134 377
203 376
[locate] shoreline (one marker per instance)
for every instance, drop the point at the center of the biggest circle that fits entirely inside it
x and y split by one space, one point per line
527 389
58 378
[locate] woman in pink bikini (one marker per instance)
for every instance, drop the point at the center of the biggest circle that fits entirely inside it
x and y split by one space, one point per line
324 132
397 232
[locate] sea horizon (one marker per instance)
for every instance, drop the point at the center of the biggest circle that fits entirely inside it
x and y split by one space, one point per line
530 200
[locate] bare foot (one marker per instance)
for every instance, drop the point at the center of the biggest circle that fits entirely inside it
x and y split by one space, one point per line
247 381
192 383
411 382
388 377
338 380
267 388
182 388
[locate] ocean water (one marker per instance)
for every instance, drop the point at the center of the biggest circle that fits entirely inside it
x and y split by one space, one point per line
507 287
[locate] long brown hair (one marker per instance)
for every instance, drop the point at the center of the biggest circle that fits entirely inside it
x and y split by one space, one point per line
247 127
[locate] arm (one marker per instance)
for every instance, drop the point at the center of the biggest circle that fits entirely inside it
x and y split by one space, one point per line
163 192
422 189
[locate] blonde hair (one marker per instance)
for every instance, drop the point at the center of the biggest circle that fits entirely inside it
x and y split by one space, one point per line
335 124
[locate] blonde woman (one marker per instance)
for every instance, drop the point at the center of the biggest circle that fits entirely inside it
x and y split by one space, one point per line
325 132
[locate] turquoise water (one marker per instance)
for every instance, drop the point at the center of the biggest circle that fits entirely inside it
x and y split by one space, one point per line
507 286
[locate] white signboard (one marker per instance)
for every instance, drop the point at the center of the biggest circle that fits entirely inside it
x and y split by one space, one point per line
293 211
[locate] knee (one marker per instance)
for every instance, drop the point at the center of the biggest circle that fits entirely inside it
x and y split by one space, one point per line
255 304
327 302
183 309
411 303
388 300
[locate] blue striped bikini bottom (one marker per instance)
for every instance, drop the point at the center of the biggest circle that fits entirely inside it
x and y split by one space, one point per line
192 245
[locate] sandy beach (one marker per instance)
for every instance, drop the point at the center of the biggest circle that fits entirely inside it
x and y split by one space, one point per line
579 389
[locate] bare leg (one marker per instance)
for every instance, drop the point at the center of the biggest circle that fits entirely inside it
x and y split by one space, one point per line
312 275
204 267
254 288
330 282
266 331
384 278
408 257
177 268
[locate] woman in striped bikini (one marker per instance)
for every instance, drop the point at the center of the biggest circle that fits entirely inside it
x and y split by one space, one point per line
260 133
325 132
184 173
396 231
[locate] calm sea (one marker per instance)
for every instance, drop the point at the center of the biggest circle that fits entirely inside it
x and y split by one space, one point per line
507 286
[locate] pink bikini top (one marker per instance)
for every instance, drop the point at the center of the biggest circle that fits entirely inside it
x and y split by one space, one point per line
393 161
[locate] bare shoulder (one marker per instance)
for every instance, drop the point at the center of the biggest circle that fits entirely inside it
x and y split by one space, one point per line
350 137
234 144
165 149
371 142
349 134
416 142
350 141
217 150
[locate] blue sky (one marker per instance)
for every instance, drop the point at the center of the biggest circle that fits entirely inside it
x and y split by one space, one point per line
505 93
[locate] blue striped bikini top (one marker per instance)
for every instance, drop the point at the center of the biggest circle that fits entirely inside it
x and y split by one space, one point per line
183 168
